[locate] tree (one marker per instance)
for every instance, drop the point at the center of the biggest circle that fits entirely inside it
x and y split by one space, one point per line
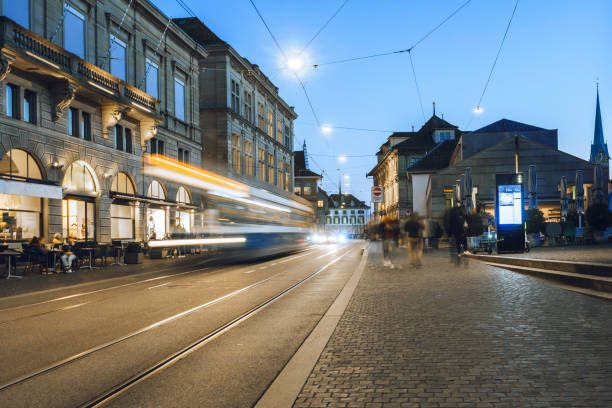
598 216
535 221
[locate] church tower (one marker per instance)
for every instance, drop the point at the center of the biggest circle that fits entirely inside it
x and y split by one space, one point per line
599 149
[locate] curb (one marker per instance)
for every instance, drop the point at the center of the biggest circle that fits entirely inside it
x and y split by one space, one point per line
285 389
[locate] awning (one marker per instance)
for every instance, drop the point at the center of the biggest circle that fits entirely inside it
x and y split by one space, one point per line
153 201
30 189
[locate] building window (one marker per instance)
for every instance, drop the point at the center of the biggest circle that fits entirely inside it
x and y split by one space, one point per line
236 152
328 220
235 97
156 190
320 204
17 11
123 139
359 211
29 106
73 122
157 146
248 107
262 164
352 220
336 220
270 124
287 136
179 99
261 121
152 78
297 190
344 219
183 155
360 219
270 168
123 184
74 32
288 173
279 131
307 189
281 176
248 158
11 94
122 221
117 56
85 126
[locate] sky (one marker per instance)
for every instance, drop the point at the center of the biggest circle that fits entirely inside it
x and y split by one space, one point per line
546 74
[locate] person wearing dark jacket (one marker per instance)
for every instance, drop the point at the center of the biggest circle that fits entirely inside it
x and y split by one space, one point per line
69 254
38 254
458 228
414 236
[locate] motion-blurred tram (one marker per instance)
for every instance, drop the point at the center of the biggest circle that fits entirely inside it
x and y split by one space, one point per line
244 221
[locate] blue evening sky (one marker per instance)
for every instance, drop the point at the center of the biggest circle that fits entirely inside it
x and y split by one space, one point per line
545 76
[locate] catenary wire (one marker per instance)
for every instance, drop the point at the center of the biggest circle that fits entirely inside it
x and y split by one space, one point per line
418 89
324 25
399 51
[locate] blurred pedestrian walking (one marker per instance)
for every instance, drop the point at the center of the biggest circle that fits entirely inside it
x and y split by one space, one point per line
458 228
413 230
390 237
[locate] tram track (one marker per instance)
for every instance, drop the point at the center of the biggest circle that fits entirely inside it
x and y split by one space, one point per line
89 352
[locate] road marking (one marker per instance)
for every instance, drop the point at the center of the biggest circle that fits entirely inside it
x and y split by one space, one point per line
262 267
251 271
98 290
73 306
160 285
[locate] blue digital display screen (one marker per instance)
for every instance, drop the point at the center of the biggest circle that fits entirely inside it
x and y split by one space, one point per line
510 204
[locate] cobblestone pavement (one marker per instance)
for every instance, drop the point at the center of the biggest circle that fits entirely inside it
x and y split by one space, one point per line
463 336
588 253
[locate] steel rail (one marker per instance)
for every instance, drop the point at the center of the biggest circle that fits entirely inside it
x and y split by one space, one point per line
90 351
160 365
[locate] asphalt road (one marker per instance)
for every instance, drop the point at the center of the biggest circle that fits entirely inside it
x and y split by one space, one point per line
93 338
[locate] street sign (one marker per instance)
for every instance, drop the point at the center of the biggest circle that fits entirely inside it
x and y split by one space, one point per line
377 194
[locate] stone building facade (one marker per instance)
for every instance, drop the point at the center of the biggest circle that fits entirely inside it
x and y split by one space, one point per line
87 87
247 127
401 151
306 185
346 215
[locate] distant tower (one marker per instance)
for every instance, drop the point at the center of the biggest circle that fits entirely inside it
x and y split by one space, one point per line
599 149
305 155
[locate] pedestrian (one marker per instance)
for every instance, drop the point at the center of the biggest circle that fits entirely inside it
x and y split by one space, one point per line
39 255
413 229
69 256
458 228
57 240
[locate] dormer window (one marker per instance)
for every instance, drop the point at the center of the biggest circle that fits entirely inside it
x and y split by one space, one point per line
443 135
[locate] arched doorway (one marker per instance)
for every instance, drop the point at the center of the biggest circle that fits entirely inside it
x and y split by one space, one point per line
157 214
122 209
20 213
78 206
184 216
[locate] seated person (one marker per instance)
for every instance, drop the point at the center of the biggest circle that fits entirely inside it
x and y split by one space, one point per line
57 240
69 254
38 253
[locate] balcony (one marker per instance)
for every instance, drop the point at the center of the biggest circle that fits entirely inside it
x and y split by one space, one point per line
30 52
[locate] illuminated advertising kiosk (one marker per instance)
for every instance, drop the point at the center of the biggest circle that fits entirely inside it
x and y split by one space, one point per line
509 212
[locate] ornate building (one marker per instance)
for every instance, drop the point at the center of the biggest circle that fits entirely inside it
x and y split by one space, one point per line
87 88
247 126
306 185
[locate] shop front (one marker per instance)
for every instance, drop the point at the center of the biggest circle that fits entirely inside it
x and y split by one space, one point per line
184 212
157 211
79 203
123 207
22 193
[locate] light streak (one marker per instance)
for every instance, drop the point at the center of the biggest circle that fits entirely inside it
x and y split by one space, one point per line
195 241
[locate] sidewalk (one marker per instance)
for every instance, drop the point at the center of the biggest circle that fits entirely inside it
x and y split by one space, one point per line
468 335
601 253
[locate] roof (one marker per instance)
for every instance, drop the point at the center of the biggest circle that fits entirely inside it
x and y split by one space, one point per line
346 199
507 125
437 158
199 31
598 137
299 166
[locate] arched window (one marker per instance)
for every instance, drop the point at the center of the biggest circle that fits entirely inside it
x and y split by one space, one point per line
20 164
79 179
182 196
123 184
156 190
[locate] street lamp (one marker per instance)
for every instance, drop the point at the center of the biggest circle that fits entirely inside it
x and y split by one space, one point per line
342 158
295 63
326 129
478 110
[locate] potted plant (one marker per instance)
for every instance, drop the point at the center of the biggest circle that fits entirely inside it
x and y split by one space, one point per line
599 218
134 253
535 224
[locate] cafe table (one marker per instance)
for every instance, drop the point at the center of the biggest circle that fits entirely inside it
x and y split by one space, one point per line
10 253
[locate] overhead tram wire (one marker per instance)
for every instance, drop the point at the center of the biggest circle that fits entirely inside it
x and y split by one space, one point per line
110 45
399 51
323 27
285 58
418 89
495 61
349 128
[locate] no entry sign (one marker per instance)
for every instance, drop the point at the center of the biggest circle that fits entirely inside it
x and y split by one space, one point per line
377 194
